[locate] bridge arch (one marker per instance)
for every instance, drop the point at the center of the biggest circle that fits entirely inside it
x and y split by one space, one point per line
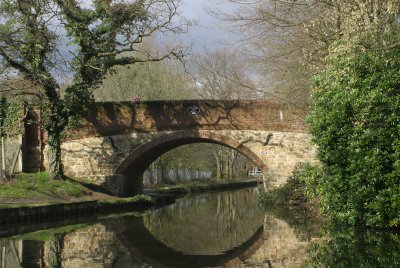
134 165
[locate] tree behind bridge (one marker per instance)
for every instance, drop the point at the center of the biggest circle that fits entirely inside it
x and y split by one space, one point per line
100 34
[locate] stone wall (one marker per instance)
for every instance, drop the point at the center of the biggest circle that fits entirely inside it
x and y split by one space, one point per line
99 158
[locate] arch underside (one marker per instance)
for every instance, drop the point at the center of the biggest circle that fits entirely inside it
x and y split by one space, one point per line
133 167
154 252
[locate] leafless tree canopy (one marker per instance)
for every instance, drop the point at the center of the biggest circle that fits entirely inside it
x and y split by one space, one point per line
288 41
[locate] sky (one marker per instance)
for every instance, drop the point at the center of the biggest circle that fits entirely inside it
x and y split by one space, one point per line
207 32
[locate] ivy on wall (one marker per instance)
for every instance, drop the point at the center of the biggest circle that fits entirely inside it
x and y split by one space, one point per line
10 114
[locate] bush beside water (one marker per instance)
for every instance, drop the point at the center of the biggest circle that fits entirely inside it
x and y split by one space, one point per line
301 189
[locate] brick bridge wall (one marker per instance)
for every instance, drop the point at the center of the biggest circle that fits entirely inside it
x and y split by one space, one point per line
116 142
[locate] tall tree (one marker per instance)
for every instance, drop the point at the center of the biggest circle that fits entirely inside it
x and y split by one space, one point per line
161 80
100 35
288 40
222 74
273 36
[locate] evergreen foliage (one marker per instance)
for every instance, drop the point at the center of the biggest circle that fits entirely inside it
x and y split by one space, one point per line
356 124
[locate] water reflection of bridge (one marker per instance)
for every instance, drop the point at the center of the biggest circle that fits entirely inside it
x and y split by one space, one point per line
144 248
246 238
157 254
126 242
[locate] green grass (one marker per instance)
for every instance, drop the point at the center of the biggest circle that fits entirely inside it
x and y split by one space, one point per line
38 186
135 198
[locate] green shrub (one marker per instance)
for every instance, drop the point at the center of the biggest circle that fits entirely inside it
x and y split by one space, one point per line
356 124
300 188
311 175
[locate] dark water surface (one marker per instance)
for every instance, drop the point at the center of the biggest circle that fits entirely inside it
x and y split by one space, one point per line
210 230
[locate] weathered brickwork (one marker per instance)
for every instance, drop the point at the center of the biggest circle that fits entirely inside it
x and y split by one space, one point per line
110 118
117 141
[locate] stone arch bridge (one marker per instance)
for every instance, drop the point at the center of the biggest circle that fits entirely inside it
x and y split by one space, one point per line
116 142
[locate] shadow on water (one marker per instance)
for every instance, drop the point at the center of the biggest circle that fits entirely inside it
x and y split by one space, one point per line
209 230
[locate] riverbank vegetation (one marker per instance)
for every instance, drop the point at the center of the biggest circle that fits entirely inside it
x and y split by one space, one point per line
38 189
355 123
356 116
299 194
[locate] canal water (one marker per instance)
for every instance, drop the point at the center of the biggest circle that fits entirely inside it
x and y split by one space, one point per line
224 229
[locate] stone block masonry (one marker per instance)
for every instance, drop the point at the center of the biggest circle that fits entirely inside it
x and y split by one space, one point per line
116 142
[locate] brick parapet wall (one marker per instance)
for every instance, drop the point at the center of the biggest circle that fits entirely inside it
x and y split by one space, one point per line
111 118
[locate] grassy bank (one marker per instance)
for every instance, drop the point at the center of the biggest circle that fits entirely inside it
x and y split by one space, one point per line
38 188
118 200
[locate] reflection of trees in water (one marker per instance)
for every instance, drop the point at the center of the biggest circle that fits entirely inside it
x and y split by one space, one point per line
12 254
94 246
217 223
32 253
54 252
227 212
305 223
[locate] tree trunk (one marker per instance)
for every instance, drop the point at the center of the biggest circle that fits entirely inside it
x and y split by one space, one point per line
56 245
234 156
217 161
56 122
226 165
54 154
